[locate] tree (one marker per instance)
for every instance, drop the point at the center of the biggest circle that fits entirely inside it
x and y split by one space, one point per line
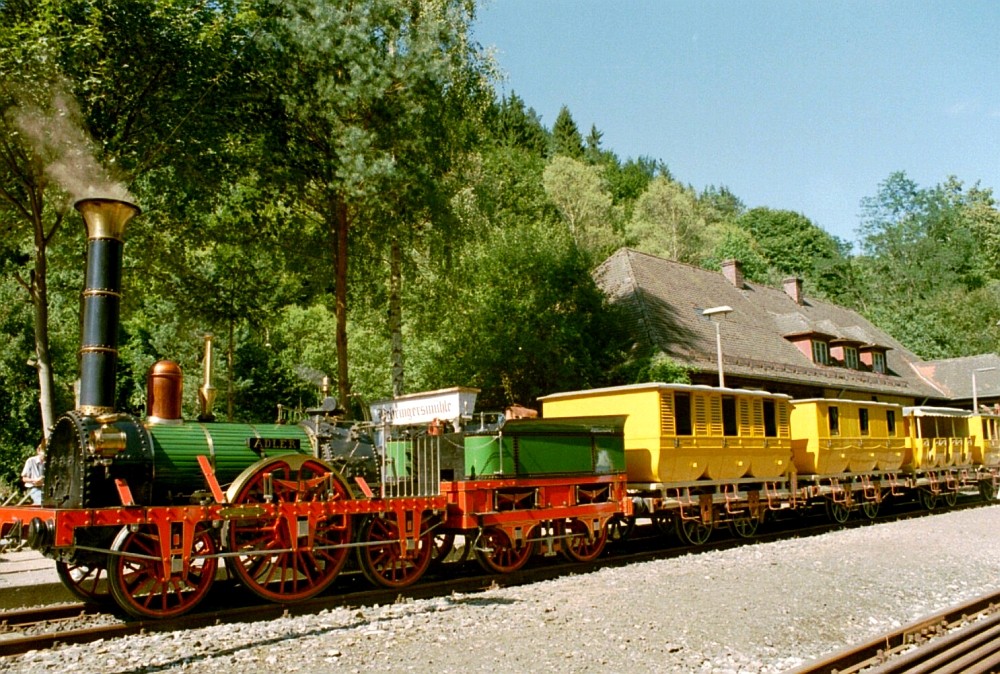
666 222
579 194
566 138
361 84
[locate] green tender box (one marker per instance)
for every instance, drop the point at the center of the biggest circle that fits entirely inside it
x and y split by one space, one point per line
176 449
570 446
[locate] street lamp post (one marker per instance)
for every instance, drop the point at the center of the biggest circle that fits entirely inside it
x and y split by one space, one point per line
717 314
975 396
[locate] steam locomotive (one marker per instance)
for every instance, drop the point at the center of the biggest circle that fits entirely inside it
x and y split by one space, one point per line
136 509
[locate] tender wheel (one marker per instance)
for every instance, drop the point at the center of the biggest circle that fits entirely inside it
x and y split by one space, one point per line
928 499
381 558
143 588
950 498
300 566
744 527
869 508
620 528
987 491
694 532
577 548
87 583
837 511
496 553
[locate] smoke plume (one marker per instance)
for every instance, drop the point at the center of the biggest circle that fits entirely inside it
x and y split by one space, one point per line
67 152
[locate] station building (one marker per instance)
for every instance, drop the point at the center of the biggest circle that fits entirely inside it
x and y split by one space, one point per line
780 340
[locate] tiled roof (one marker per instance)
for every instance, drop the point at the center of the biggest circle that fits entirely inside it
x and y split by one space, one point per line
665 300
954 375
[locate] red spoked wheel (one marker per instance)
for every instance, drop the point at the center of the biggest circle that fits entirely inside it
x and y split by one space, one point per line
143 588
87 583
497 553
283 562
578 547
382 559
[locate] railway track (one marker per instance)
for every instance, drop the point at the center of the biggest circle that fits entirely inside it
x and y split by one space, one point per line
46 627
963 638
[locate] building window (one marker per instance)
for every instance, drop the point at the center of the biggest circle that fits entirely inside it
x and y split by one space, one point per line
851 357
821 352
878 362
833 415
890 422
863 419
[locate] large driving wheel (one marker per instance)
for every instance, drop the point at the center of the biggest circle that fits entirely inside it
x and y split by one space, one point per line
496 553
693 531
87 583
382 559
144 588
281 562
578 547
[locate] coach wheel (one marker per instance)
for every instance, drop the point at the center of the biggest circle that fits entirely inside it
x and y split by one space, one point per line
578 548
381 556
869 508
87 583
281 562
693 531
744 526
620 528
144 588
987 491
496 553
950 498
928 499
837 512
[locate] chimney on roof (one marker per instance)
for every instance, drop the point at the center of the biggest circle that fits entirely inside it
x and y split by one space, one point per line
733 271
793 288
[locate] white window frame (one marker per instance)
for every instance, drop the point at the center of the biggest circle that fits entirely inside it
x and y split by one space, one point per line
851 357
820 352
878 362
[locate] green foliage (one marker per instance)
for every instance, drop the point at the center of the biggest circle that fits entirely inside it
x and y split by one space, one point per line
662 368
566 138
666 222
526 319
581 197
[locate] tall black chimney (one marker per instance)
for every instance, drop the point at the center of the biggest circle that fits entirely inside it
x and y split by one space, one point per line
105 220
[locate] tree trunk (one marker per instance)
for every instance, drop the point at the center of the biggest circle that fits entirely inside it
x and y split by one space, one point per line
396 315
38 291
341 224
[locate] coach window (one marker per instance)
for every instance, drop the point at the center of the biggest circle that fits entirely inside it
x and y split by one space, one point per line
770 419
863 420
682 413
833 414
890 421
729 426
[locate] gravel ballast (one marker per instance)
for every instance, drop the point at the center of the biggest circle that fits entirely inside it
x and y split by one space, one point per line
757 608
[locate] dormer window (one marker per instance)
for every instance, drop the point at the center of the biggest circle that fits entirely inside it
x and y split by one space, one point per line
821 352
850 357
878 362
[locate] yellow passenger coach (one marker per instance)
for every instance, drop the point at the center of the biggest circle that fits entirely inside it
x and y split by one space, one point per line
679 433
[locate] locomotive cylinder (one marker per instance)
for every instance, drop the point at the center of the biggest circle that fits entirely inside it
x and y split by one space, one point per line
105 220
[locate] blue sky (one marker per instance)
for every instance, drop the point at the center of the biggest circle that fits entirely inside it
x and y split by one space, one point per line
799 105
